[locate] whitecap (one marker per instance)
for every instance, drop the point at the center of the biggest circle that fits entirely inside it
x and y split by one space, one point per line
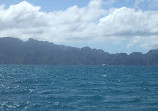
103 75
31 90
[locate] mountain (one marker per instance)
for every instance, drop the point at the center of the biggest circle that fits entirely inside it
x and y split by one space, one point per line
15 51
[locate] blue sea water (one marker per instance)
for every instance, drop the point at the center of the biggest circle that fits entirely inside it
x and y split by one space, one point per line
78 88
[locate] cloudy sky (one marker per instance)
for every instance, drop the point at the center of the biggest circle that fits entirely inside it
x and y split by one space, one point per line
112 25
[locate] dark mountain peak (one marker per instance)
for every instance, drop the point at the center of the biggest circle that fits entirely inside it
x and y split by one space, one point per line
41 44
153 51
86 48
31 39
100 51
136 53
7 39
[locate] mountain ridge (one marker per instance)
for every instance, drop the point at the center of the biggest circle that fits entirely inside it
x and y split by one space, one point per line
16 51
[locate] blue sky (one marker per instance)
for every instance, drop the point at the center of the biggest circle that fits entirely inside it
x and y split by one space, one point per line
50 5
112 25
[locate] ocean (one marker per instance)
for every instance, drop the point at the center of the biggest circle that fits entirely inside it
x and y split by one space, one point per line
78 88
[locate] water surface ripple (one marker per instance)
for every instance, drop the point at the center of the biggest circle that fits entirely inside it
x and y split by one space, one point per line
78 88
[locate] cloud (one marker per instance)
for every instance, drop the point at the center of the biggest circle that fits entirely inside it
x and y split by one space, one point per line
150 42
127 22
90 23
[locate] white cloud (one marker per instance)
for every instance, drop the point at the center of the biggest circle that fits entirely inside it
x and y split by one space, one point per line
128 22
90 23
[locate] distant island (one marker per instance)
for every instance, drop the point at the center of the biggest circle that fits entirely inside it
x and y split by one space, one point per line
15 51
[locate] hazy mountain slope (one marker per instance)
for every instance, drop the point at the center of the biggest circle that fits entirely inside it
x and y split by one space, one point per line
15 51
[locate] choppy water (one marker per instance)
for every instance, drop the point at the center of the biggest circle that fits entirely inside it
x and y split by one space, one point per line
78 88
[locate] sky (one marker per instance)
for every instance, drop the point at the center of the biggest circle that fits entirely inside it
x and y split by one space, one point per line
115 26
